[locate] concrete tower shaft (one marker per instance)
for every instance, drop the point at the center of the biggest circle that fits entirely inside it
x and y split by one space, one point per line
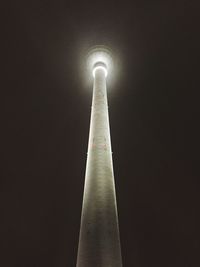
99 242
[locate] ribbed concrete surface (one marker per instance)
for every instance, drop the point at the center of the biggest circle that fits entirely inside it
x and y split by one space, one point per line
99 242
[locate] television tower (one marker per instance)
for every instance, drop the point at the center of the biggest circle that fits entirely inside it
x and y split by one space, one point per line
99 241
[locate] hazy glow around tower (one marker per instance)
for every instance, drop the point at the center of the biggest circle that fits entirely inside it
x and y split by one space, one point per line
99 57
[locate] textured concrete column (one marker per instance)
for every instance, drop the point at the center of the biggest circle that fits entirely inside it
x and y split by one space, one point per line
99 242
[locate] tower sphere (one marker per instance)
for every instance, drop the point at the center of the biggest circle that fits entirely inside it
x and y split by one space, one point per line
99 65
99 57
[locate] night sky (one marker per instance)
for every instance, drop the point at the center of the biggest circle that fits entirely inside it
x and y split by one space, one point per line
154 116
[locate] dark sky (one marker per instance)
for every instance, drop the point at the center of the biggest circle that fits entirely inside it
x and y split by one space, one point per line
154 116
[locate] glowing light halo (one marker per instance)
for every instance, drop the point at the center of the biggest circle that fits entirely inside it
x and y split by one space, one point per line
102 55
100 67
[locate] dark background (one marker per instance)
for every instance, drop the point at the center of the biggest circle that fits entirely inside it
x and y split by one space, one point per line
154 115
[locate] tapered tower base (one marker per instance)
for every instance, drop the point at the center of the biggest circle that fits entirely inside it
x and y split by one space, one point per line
99 242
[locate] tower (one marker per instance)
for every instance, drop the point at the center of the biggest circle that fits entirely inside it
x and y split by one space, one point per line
99 242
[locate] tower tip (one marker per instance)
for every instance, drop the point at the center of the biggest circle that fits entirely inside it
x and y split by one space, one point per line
100 65
100 55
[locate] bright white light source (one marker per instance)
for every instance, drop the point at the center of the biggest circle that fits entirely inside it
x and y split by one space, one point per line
100 67
99 57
